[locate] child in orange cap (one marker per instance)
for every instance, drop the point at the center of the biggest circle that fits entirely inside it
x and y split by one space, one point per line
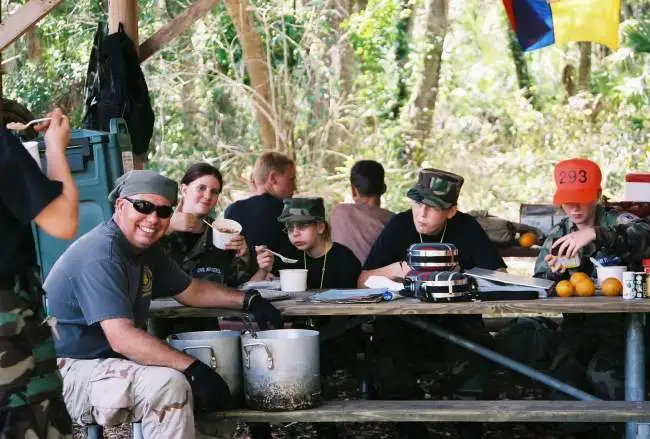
578 192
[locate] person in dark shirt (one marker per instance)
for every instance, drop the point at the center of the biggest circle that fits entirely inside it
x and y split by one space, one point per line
31 404
274 180
431 218
328 264
399 348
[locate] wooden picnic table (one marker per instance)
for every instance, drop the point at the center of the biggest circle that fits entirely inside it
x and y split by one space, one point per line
295 306
409 309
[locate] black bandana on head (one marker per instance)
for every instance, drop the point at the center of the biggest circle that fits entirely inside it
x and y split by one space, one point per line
144 182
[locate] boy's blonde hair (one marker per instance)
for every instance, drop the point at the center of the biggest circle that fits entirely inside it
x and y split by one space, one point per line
270 161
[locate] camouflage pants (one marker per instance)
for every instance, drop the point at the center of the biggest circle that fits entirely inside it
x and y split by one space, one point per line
114 391
43 420
590 354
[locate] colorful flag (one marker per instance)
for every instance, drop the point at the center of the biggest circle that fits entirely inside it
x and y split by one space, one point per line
540 23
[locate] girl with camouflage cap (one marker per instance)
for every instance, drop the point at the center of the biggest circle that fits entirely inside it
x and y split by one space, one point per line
328 264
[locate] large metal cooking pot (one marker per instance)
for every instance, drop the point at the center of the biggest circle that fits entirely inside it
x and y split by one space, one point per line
218 349
281 369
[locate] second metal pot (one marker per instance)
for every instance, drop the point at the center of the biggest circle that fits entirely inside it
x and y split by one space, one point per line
281 369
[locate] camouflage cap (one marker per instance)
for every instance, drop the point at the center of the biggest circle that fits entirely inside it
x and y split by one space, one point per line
436 188
302 210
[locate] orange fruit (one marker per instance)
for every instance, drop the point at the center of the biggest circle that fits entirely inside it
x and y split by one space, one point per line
564 288
528 239
611 287
585 288
577 277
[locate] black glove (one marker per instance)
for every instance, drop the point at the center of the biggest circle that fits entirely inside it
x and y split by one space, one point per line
209 389
265 313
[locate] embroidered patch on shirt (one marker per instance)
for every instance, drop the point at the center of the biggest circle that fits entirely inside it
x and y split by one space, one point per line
626 218
147 281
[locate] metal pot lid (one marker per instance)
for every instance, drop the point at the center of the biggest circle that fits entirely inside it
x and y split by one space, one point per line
432 249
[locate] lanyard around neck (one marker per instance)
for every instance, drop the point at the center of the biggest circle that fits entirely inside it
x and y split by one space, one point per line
322 273
443 233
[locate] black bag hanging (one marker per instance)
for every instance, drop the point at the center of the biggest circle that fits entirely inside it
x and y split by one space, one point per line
115 87
92 79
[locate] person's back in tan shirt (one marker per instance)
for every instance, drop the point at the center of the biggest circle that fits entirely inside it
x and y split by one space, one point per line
357 226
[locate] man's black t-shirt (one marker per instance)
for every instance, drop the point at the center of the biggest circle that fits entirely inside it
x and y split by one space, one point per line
474 247
258 216
341 270
24 192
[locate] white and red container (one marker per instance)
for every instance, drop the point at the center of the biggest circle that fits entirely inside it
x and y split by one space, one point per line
637 186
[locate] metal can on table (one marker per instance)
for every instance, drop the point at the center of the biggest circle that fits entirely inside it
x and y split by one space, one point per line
641 285
629 290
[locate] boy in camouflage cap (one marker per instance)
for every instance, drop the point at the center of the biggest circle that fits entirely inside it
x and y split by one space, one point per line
436 188
434 218
328 265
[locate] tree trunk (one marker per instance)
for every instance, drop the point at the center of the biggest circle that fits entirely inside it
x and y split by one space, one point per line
258 70
521 67
33 45
405 29
419 114
584 68
341 53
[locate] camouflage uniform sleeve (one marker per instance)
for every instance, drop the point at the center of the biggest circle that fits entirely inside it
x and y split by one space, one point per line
541 267
238 272
628 241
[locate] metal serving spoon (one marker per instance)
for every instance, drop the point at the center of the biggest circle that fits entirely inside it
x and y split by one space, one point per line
19 126
283 258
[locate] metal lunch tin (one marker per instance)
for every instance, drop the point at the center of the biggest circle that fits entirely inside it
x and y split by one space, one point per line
440 286
432 256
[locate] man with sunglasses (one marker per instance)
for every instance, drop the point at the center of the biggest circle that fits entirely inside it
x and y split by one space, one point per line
100 290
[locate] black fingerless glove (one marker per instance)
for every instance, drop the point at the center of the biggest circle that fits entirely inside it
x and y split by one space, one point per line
266 315
209 389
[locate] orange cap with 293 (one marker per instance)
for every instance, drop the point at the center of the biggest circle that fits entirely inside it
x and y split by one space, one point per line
577 181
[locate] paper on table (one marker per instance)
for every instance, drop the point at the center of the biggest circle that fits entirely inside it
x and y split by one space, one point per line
371 295
261 284
383 282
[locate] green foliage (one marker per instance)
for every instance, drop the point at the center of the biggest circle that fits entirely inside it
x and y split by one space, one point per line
483 127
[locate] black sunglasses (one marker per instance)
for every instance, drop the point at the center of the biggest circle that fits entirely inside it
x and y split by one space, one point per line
147 207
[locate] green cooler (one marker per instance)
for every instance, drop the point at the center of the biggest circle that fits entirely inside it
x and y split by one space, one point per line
96 159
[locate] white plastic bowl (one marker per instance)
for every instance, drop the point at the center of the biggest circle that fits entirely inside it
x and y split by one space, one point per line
607 272
219 238
293 280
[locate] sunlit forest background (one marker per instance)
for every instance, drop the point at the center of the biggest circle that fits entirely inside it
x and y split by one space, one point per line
410 83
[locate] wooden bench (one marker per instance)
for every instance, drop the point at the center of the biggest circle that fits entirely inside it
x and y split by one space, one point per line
449 411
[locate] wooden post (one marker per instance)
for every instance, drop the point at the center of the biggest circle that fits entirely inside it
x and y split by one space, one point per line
126 12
